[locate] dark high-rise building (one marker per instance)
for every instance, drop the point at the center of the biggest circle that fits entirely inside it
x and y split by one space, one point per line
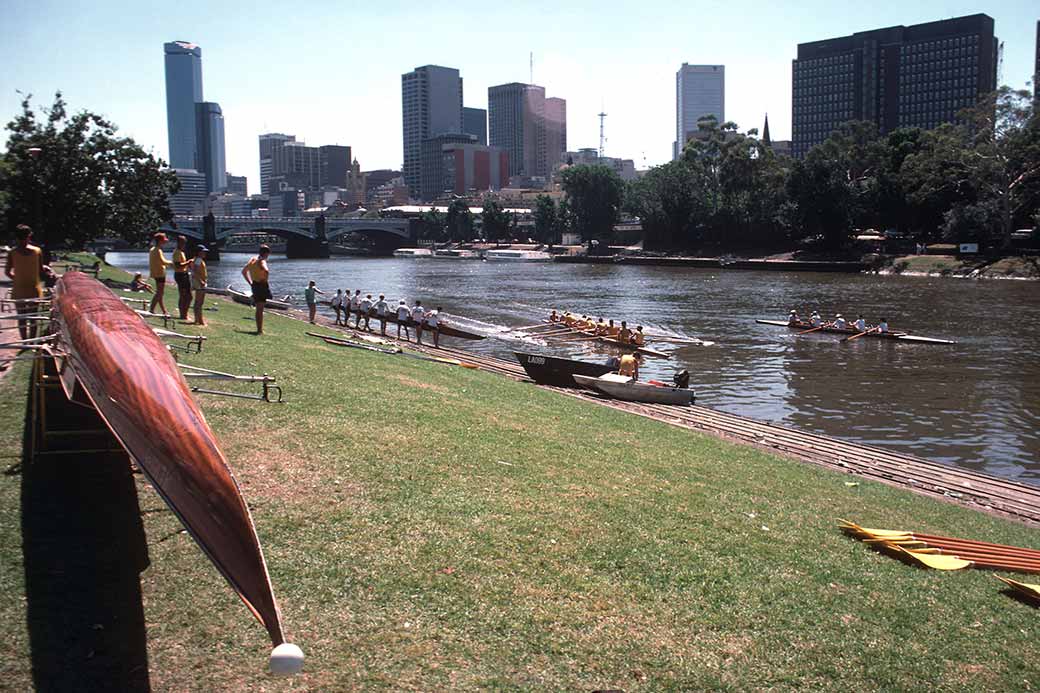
431 104
334 162
555 132
238 185
516 118
183 90
474 122
209 145
432 183
901 76
268 144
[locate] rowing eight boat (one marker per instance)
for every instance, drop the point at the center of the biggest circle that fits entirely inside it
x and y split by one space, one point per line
900 336
583 335
110 354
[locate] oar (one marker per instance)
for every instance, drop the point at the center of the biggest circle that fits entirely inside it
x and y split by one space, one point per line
963 552
856 336
1025 588
936 540
539 326
811 330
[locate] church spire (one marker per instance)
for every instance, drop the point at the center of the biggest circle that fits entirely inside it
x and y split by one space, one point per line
765 133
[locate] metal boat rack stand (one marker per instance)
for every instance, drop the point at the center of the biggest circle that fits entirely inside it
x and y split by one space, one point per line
266 382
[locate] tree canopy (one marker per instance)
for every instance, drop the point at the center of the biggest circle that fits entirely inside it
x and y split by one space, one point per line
72 178
595 194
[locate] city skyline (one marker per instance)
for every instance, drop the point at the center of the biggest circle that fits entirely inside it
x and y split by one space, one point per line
617 62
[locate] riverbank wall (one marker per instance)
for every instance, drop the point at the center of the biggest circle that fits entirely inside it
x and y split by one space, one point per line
717 263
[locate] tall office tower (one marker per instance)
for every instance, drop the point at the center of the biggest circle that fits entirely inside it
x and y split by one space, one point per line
431 104
555 132
474 122
268 144
183 91
700 90
901 76
334 163
209 145
516 119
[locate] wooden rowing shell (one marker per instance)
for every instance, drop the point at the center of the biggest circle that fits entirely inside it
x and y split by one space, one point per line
137 388
896 336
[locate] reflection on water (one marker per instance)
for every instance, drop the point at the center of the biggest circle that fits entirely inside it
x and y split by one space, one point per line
975 404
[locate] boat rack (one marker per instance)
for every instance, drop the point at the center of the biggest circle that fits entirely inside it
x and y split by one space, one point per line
166 319
13 303
190 340
266 382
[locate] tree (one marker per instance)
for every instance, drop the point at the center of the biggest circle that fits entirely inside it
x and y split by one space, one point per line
546 220
459 221
495 220
671 201
595 193
431 225
73 179
820 201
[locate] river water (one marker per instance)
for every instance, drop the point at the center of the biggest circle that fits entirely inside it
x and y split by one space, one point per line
975 404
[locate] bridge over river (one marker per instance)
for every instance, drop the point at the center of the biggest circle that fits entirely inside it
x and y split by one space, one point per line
305 237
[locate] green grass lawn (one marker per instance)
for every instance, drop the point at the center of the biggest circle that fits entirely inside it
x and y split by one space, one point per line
429 527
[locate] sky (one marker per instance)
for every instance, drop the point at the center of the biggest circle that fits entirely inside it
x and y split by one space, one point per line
330 73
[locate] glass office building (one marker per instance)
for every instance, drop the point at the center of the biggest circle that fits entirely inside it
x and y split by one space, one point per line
183 91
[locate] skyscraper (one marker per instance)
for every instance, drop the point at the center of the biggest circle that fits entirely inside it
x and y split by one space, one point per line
209 145
268 144
700 90
900 76
555 132
516 119
474 122
431 104
183 91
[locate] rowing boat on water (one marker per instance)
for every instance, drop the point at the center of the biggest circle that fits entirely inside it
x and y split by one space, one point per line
610 341
552 370
446 330
110 354
246 299
899 336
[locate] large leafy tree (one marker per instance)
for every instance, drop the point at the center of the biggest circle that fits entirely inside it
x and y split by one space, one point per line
72 178
431 225
495 220
546 220
459 221
595 194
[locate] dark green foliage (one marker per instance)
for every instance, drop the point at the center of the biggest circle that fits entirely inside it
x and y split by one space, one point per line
496 221
595 193
459 221
431 225
84 182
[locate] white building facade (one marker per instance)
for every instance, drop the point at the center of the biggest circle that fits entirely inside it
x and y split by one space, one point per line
700 90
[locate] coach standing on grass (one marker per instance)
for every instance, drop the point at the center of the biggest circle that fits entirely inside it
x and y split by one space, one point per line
157 264
257 274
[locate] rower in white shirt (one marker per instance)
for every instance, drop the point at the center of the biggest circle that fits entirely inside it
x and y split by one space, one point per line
839 322
815 319
860 324
382 308
403 316
366 309
433 323
355 307
882 326
337 304
418 314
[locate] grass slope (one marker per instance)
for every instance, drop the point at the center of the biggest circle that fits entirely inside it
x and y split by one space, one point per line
429 527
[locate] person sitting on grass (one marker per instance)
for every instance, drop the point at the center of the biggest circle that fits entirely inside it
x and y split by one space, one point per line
139 284
312 300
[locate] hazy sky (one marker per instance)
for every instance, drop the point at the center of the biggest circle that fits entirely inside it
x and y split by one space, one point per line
330 73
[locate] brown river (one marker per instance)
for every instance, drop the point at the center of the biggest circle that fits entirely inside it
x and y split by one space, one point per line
975 404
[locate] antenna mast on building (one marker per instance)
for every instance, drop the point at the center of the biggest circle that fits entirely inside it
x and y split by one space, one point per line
601 138
532 68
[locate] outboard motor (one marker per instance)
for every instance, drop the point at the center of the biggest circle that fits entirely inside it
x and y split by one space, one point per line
682 379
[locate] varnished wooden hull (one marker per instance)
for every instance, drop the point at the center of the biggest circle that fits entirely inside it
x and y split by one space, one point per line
129 375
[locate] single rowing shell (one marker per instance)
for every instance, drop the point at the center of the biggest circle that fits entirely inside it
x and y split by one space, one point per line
137 388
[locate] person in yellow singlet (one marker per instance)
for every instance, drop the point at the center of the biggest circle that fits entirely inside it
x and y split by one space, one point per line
601 328
199 275
257 274
181 278
624 335
157 263
24 267
638 338
612 329
629 366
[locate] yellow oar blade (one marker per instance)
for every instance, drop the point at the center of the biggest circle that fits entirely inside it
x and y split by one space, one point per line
1025 588
936 562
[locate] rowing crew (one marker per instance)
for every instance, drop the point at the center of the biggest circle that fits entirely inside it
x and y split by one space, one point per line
365 308
600 328
859 324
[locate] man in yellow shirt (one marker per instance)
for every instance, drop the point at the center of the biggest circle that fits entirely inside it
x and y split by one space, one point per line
24 266
180 276
629 366
199 275
257 274
157 264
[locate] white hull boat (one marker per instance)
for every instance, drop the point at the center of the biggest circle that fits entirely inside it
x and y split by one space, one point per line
517 256
413 252
623 387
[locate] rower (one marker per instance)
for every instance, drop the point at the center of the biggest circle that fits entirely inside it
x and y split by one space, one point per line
815 319
624 335
403 315
433 323
839 322
612 329
553 317
882 326
366 310
583 323
638 338
682 379
629 366
567 319
418 317
382 308
601 328
793 319
860 324
355 308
